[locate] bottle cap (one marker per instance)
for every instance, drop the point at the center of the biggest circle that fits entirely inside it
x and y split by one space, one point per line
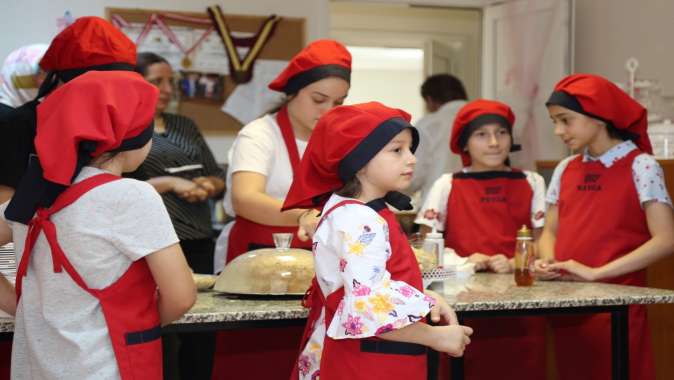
524 233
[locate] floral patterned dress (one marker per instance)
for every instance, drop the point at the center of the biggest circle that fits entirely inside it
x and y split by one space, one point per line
351 249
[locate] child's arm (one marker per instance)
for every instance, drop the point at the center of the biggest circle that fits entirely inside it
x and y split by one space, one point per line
5 231
546 245
7 296
660 221
250 200
373 303
449 339
176 288
6 193
441 312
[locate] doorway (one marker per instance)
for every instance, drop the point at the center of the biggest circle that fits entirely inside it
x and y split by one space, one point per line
396 46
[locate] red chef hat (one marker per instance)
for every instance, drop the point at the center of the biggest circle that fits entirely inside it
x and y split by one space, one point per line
94 113
89 41
319 60
345 139
113 110
600 99
474 115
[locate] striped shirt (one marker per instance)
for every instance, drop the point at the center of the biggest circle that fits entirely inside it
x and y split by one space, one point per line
182 147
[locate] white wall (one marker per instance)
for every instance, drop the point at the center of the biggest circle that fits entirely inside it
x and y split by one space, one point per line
31 21
388 75
608 32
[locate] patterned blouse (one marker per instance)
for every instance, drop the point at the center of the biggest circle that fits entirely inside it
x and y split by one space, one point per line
182 147
351 248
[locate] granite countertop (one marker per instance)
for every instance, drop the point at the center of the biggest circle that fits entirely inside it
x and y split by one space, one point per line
499 292
481 292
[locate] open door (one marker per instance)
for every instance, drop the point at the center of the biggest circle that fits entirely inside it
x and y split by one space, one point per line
439 58
528 48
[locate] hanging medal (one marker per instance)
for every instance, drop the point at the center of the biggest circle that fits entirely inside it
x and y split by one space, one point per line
241 70
156 19
186 61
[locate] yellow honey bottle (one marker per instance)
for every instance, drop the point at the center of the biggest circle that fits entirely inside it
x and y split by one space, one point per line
524 257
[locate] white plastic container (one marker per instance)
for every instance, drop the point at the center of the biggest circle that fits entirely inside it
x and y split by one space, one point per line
434 242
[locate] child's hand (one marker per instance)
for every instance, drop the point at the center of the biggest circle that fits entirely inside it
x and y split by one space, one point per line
575 271
542 270
499 264
451 339
480 260
308 222
442 312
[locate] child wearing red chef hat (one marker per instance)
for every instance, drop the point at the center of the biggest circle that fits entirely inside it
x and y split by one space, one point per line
100 268
90 43
479 210
609 217
367 300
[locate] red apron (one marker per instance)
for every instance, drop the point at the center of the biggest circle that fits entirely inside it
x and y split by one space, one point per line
129 305
371 358
484 212
238 354
600 220
247 235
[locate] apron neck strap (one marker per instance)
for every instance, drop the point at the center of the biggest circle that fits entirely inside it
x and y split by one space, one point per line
42 223
289 138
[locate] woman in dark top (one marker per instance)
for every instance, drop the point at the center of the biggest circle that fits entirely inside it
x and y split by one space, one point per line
182 169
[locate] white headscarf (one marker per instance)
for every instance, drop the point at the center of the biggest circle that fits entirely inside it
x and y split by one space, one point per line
17 79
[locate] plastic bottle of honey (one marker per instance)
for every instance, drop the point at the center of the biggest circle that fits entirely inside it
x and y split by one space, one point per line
524 257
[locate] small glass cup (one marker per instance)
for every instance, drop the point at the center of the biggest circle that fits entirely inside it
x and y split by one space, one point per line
282 241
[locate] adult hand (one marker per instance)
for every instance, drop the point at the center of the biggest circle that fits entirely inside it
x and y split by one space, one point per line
206 184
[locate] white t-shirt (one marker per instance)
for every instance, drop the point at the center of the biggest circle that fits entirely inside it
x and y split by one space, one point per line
433 155
259 148
60 331
434 210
